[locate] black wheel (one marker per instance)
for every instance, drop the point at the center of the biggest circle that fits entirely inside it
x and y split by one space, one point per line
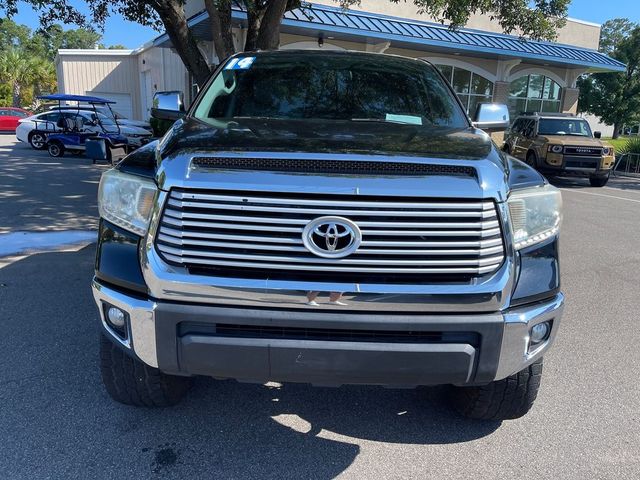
599 181
504 399
37 140
531 159
56 149
132 382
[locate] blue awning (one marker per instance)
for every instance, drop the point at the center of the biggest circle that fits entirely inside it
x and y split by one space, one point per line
315 20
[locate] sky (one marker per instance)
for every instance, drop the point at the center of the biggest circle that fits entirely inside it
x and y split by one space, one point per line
131 35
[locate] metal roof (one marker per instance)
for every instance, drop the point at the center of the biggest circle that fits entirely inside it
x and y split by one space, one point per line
315 20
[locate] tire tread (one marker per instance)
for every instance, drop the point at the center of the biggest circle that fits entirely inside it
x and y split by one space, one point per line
129 381
505 399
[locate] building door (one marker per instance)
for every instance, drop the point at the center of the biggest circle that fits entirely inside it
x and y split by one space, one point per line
123 103
146 90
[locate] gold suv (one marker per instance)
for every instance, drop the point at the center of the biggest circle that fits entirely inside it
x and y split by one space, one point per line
560 144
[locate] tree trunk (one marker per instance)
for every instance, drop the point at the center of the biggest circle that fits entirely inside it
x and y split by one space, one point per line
254 20
16 94
171 13
220 15
269 33
616 127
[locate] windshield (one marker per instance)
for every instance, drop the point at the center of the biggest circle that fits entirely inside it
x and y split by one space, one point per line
104 120
561 126
344 87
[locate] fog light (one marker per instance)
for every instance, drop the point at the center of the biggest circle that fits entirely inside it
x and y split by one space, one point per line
540 332
116 317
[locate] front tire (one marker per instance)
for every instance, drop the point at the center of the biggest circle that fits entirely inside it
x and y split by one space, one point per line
56 149
132 382
598 181
37 140
505 399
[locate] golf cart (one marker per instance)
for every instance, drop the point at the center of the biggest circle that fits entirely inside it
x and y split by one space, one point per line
76 127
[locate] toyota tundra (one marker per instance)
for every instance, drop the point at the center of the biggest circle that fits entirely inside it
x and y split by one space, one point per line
329 218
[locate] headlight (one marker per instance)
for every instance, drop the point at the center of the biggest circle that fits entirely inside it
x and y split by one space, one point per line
555 148
126 200
536 214
607 151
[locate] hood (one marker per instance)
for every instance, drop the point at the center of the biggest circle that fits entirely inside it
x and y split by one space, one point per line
574 140
134 123
322 136
284 141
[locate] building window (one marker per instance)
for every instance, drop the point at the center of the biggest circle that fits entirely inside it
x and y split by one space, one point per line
471 88
534 93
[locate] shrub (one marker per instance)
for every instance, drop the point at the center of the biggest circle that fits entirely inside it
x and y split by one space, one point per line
632 146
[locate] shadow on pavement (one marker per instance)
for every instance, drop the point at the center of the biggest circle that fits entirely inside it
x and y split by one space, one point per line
58 422
39 192
618 182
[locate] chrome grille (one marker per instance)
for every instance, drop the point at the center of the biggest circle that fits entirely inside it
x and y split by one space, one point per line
250 231
583 151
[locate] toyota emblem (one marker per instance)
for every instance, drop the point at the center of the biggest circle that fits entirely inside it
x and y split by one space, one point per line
331 237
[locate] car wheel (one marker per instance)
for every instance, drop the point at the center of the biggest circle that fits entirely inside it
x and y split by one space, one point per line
599 181
531 159
37 140
505 399
132 382
56 149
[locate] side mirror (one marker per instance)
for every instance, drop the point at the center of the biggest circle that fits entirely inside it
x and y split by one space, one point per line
597 134
168 106
491 116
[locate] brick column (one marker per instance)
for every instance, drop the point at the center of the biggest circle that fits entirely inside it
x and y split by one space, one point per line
500 95
570 100
500 92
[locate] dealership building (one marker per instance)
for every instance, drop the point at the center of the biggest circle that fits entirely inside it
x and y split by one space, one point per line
482 63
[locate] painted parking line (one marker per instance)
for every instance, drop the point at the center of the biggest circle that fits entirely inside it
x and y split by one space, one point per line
601 195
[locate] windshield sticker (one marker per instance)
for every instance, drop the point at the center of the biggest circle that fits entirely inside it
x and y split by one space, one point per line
403 119
242 63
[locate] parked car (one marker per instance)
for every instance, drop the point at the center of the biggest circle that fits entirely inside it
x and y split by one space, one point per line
111 113
560 144
330 218
10 116
49 122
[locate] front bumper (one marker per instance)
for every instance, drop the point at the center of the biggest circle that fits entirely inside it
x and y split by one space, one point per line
329 348
577 165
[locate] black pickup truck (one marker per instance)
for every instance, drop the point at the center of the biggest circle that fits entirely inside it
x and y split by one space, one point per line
331 218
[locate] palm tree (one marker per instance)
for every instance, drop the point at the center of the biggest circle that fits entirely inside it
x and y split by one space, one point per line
21 71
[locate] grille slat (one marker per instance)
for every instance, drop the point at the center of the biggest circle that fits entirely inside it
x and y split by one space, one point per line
328 211
195 261
209 229
251 198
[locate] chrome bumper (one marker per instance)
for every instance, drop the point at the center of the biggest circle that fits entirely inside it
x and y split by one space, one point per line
510 339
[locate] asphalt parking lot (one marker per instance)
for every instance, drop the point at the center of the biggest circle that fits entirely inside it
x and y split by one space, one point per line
56 421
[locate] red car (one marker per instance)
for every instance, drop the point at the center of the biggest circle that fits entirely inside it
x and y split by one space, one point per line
9 117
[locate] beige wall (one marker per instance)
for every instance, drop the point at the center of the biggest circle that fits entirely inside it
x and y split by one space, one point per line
575 32
165 71
104 71
93 71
